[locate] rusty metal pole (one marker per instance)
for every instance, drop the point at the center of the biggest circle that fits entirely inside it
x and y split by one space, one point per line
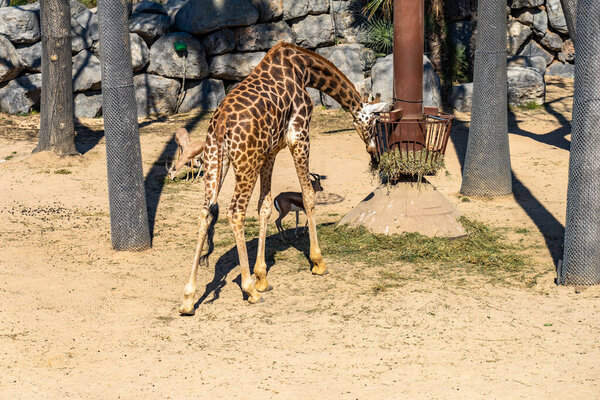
409 36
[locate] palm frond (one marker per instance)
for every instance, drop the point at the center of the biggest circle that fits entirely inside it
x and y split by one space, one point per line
381 36
373 6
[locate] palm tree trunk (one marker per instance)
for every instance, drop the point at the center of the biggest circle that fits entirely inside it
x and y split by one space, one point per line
436 36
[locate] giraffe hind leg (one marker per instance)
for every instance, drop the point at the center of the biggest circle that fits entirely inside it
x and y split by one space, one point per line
236 216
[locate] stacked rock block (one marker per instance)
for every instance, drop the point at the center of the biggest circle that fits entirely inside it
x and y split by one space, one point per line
227 38
537 28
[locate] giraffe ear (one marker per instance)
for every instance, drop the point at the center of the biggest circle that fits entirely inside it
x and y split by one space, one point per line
375 107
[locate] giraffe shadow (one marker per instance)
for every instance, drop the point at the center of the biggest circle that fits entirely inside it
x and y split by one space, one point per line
228 261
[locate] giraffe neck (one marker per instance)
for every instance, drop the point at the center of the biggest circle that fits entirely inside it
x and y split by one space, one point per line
321 74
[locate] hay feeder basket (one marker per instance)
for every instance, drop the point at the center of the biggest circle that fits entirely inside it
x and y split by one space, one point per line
420 142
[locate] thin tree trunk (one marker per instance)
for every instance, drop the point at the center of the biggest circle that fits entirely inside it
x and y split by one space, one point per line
436 35
57 131
473 41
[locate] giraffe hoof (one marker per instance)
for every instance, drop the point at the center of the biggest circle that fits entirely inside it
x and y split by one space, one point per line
184 309
256 301
316 271
267 289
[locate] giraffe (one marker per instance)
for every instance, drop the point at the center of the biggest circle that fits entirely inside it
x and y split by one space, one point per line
266 112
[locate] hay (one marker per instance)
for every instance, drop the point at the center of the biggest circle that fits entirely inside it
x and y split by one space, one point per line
396 164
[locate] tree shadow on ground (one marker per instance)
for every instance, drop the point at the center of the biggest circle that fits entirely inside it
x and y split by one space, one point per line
155 181
228 261
552 230
87 138
555 138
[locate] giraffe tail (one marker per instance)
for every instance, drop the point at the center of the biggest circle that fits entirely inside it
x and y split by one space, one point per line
213 208
213 212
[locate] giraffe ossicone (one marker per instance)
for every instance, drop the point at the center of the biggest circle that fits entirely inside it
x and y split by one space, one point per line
268 111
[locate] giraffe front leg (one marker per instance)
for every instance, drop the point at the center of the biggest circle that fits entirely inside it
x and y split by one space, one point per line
319 267
264 211
189 291
300 154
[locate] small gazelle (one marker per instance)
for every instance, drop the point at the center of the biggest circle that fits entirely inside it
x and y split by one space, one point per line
188 152
292 201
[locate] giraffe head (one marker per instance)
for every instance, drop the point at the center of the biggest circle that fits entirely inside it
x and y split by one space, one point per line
364 122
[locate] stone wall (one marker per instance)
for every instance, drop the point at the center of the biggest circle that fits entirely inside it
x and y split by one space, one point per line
224 46
222 49
536 28
538 46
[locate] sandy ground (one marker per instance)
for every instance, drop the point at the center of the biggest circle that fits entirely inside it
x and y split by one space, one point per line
81 321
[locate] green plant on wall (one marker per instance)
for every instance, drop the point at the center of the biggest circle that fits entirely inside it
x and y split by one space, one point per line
460 65
382 8
381 36
21 2
89 3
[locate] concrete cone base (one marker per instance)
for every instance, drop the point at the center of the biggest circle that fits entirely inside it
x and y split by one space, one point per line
407 207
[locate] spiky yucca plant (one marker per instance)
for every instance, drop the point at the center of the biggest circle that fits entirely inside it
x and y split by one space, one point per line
381 36
460 65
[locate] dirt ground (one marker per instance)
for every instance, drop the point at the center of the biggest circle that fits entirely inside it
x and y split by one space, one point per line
81 321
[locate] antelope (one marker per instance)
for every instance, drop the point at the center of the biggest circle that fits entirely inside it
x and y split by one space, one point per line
187 151
292 201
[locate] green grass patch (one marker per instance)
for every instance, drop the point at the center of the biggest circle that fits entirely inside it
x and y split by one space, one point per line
532 105
62 171
32 112
185 175
523 231
14 3
11 156
482 248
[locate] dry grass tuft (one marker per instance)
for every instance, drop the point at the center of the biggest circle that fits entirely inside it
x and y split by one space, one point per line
396 164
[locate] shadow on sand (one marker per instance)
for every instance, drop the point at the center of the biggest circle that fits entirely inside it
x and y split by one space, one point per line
155 179
552 230
228 261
